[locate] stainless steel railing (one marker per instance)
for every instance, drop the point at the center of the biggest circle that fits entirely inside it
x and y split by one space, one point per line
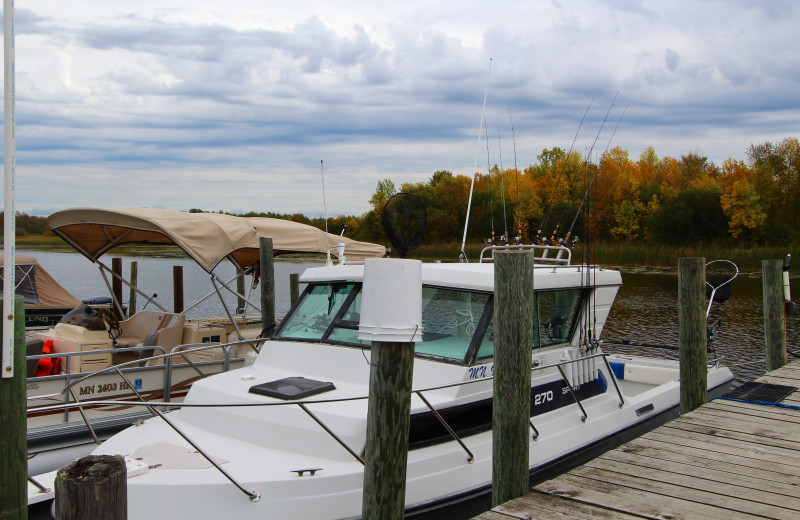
255 496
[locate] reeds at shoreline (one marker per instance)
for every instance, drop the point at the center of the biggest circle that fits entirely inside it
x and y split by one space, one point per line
609 254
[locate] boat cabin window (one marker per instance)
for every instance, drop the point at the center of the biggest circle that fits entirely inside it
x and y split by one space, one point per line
556 314
457 325
450 319
315 313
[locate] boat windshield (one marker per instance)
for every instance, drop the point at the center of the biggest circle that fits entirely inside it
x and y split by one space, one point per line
457 324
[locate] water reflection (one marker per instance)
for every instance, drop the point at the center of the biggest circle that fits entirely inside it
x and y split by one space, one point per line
83 279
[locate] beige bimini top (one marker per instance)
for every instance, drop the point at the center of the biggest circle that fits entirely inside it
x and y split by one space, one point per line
206 237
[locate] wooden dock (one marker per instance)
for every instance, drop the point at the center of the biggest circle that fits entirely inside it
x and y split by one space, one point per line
725 460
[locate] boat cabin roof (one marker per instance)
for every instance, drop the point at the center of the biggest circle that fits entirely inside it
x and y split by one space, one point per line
477 276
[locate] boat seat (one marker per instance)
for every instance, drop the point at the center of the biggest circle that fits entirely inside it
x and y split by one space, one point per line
164 329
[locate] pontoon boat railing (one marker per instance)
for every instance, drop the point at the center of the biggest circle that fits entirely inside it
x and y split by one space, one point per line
167 368
542 254
152 406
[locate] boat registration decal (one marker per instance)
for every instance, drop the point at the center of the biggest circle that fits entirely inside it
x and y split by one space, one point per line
481 372
102 388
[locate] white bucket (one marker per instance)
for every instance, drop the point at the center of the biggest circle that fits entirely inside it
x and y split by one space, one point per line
391 301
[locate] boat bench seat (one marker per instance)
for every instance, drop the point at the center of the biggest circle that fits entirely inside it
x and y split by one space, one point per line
217 354
149 328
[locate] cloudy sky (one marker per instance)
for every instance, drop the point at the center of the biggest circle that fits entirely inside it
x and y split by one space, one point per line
232 105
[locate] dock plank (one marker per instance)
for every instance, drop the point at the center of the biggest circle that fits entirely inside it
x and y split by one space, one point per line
685 489
703 457
725 483
645 503
726 460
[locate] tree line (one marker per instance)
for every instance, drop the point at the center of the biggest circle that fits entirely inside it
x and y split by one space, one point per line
662 200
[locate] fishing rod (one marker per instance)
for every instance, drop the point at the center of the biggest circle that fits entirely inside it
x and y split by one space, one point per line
595 173
558 177
489 177
463 256
325 209
502 182
516 172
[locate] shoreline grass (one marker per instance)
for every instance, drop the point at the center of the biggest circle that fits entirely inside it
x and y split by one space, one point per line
608 254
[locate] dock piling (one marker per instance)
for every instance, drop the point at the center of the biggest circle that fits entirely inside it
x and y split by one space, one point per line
116 284
692 332
774 313
134 283
391 297
294 287
240 303
513 341
267 274
177 288
13 432
92 487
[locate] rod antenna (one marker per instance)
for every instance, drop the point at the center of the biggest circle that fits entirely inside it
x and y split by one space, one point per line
325 209
463 255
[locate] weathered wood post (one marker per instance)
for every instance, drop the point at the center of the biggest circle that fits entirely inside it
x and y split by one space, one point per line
513 342
294 287
134 284
116 284
692 332
391 317
92 487
267 275
177 288
239 290
774 313
13 432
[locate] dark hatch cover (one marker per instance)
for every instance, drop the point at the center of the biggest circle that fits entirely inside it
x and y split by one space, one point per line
291 388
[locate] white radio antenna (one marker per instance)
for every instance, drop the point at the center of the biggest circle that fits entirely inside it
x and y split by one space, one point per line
325 209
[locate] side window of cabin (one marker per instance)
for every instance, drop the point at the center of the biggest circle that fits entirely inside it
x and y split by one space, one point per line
346 329
449 321
556 315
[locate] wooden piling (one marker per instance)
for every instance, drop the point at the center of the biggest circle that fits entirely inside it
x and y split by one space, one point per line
177 288
294 287
388 421
134 284
774 313
92 487
267 275
692 332
239 290
13 431
513 341
116 284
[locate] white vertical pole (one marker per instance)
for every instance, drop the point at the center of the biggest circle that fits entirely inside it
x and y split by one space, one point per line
9 224
463 256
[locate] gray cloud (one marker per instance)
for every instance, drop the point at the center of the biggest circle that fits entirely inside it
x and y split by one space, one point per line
175 112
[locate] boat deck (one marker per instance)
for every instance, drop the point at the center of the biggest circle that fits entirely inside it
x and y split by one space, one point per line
725 460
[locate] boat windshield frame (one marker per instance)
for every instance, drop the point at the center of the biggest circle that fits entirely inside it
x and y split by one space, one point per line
336 320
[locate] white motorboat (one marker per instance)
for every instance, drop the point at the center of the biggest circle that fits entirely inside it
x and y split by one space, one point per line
156 354
231 452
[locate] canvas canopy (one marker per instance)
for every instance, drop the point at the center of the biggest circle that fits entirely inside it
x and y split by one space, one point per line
206 237
38 288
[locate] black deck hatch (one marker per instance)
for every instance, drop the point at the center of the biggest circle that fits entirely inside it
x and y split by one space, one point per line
291 388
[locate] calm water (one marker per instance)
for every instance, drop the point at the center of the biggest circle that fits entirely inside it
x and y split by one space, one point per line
83 279
646 308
